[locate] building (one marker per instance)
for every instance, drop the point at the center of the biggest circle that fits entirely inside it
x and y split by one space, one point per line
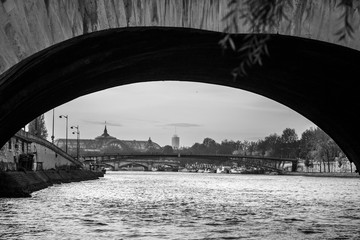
10 153
175 142
25 151
107 144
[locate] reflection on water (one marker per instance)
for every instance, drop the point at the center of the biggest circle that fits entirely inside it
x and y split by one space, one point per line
171 205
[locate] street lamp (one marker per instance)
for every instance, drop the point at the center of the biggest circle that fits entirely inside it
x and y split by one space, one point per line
77 140
53 123
66 139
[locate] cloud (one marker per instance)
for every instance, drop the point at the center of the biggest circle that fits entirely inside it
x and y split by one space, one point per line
103 123
185 125
142 120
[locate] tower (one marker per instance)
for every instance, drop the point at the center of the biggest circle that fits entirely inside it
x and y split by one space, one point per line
175 142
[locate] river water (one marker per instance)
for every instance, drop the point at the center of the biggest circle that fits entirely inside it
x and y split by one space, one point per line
172 205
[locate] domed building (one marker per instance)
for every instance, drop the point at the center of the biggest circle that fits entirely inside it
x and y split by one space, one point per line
105 136
105 144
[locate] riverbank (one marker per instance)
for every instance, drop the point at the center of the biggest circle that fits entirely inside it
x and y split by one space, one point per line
317 174
23 183
306 174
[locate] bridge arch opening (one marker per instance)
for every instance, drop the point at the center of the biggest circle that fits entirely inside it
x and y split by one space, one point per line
160 109
311 77
132 165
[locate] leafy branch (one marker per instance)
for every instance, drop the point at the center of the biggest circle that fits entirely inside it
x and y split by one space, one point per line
347 29
261 16
250 53
264 16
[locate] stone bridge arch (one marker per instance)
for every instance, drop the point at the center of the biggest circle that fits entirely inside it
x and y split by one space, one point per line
28 26
119 164
123 164
33 34
109 165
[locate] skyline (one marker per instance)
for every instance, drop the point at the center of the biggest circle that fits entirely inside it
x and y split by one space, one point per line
159 109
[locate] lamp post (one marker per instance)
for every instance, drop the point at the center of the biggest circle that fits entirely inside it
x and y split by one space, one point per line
66 138
77 140
53 123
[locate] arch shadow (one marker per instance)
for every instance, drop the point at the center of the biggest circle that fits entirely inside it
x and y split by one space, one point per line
124 164
314 78
109 165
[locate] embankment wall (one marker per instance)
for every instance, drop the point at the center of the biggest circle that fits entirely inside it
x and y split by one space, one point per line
325 174
23 183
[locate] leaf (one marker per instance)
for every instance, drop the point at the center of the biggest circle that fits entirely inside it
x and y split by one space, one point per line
244 47
266 50
339 32
232 44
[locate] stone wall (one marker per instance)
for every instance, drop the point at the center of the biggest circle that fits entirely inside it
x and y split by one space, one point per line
9 153
46 155
49 158
22 184
28 26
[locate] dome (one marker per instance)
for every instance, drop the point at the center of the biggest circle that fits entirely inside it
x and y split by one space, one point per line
105 136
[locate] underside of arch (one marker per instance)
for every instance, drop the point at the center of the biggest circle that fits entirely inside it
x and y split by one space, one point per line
311 77
109 165
145 166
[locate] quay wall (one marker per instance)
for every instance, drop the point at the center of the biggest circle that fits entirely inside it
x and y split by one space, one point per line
48 158
23 183
325 174
45 155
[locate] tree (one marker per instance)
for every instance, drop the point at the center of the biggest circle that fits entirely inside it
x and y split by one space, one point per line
248 147
252 147
270 146
227 147
198 148
317 145
210 145
261 147
274 144
289 143
37 127
265 16
327 150
289 136
167 149
307 144
245 146
341 159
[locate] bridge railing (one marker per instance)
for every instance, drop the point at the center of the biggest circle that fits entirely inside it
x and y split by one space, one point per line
177 155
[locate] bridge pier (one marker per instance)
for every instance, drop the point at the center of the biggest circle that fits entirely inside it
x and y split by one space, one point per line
150 165
116 166
294 166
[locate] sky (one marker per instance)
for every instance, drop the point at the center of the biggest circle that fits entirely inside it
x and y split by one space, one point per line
158 110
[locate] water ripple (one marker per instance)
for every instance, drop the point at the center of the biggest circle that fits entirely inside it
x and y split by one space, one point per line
162 205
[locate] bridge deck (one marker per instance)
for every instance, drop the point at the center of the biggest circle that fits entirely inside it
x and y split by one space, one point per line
198 156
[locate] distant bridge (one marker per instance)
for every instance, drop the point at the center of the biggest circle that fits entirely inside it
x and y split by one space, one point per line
117 161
